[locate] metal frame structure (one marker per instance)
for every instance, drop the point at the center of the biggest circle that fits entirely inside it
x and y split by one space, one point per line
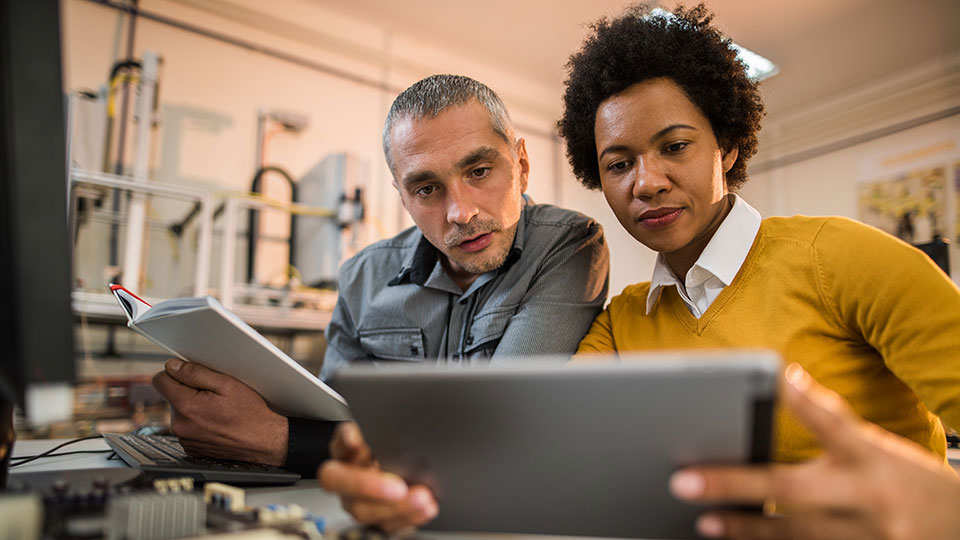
263 316
142 188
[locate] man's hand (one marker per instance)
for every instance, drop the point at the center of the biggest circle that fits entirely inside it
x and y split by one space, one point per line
216 415
370 495
868 483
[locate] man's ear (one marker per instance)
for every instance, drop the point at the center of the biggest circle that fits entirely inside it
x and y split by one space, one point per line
403 201
524 163
729 158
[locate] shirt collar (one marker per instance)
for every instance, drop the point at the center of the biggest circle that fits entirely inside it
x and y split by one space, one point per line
422 261
721 258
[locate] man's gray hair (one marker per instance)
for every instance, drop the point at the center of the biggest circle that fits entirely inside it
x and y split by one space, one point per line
430 96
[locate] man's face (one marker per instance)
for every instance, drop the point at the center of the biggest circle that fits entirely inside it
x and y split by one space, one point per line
462 184
661 168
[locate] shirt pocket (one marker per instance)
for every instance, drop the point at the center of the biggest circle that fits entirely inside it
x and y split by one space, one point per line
487 329
403 344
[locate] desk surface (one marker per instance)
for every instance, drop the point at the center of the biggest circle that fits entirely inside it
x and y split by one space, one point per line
306 492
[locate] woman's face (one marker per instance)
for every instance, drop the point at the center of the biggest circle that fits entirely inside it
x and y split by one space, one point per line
662 170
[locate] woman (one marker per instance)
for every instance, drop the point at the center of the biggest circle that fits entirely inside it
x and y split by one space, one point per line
660 115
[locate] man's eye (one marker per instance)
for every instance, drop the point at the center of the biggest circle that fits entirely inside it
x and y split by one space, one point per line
425 190
480 172
675 147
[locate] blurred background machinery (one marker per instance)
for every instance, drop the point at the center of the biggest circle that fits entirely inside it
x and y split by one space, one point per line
269 253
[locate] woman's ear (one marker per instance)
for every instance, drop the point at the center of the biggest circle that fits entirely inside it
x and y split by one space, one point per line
729 158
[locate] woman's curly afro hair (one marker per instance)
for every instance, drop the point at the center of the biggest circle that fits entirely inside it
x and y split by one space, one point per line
639 46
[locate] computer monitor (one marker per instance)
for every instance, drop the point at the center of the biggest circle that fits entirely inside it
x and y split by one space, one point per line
939 251
36 326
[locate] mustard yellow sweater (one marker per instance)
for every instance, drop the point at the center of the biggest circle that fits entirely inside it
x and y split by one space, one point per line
864 313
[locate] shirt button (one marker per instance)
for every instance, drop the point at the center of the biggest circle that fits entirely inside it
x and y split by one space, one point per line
414 350
469 340
456 358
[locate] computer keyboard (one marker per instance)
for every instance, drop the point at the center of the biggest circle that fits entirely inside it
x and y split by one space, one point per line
162 455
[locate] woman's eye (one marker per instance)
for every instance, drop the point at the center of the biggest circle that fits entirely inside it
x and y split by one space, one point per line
480 172
675 147
618 166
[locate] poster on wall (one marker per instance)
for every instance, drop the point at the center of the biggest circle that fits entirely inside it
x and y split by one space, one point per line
911 205
913 192
956 191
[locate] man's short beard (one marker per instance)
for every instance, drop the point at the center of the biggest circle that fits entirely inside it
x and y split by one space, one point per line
483 266
476 227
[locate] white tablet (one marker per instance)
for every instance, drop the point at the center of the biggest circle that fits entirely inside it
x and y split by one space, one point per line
583 450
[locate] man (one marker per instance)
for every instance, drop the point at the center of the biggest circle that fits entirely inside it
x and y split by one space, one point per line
485 275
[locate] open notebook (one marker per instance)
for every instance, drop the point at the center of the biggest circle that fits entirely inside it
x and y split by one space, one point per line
203 331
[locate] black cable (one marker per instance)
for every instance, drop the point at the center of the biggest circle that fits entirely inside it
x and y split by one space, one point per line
31 458
253 222
54 449
130 63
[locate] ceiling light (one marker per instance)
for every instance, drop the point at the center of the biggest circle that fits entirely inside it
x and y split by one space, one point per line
758 67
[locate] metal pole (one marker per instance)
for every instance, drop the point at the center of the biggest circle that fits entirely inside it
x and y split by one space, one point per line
137 209
121 141
204 241
229 252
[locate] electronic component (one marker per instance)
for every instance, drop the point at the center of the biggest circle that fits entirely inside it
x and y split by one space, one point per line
21 516
156 516
112 504
171 510
224 497
173 485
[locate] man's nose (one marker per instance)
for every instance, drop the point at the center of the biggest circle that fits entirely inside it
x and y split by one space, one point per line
650 179
461 207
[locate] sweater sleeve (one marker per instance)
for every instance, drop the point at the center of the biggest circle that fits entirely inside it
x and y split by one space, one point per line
902 305
599 338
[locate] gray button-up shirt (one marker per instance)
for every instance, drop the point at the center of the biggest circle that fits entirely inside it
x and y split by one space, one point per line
397 304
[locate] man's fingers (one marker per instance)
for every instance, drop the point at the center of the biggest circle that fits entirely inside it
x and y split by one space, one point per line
203 448
809 485
348 445
836 426
352 438
171 389
196 376
806 526
350 481
417 508
421 508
